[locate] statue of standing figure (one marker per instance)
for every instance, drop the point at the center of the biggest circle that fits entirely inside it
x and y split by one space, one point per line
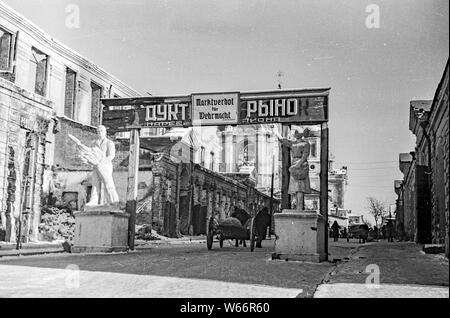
299 183
100 156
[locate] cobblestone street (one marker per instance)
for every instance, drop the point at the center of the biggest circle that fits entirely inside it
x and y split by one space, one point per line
190 270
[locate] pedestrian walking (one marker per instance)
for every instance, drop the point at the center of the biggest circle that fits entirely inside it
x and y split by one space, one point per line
390 231
346 234
335 230
383 232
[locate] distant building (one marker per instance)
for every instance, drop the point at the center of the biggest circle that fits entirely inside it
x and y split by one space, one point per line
341 216
355 219
256 148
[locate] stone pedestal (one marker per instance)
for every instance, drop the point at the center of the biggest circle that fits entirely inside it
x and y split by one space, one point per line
301 236
101 229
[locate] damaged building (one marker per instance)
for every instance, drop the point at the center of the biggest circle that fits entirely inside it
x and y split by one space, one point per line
47 90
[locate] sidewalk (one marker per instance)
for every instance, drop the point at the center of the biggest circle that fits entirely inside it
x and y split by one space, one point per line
388 270
32 248
36 248
141 244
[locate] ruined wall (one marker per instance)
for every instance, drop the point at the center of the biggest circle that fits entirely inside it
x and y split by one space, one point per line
24 123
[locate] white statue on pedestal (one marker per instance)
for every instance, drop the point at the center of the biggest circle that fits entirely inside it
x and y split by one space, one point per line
100 156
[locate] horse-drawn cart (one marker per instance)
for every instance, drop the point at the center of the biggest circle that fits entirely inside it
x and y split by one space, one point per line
240 226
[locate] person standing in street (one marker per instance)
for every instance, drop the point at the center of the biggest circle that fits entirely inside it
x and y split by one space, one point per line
335 230
390 231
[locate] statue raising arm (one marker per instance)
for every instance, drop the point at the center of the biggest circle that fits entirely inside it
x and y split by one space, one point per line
284 140
92 156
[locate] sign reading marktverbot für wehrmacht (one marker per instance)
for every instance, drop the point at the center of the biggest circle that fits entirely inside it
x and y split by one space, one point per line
215 109
284 107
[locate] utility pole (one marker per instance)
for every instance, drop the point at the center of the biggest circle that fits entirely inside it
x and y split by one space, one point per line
132 183
271 194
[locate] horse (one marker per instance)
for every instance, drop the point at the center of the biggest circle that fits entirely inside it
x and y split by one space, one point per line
244 218
261 222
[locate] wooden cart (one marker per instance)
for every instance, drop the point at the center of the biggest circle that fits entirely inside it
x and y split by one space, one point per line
223 230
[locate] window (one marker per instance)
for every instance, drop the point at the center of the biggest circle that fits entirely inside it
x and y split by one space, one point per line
246 153
69 98
8 47
96 95
202 156
5 50
211 164
38 71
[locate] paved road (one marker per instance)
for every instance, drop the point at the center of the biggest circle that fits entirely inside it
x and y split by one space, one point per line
190 270
383 269
180 271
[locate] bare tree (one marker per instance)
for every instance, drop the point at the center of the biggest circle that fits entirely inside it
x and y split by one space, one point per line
376 208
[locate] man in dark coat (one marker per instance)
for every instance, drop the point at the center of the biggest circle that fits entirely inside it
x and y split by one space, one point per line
335 230
390 231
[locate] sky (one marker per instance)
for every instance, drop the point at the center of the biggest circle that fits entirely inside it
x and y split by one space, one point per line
182 47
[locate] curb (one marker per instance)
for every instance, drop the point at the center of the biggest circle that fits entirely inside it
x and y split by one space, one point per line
29 252
151 244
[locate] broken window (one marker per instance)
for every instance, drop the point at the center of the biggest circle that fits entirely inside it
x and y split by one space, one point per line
96 95
38 71
8 42
69 96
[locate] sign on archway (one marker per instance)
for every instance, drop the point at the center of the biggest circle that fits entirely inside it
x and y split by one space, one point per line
301 107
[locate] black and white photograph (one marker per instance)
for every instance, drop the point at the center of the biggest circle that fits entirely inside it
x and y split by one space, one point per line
224 153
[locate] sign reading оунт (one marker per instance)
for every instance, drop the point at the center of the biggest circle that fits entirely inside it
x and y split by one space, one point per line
300 106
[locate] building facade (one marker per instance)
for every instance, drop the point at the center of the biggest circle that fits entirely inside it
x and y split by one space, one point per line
47 90
423 194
